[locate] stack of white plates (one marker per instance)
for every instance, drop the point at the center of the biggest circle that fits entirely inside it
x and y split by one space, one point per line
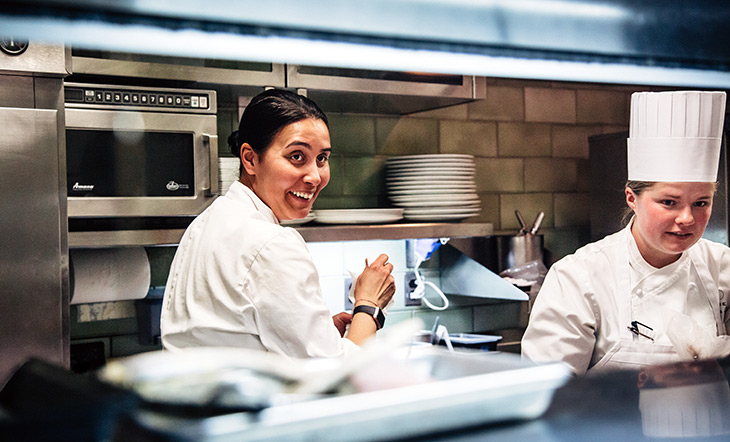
228 168
358 216
433 187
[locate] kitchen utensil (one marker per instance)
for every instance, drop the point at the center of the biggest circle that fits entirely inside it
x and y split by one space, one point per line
536 224
434 329
521 220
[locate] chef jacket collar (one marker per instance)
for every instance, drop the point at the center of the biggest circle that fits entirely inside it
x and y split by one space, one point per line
240 191
639 264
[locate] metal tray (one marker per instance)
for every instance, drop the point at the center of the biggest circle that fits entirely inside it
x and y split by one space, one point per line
468 389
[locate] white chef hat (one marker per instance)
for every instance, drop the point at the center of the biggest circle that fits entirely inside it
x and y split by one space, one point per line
675 136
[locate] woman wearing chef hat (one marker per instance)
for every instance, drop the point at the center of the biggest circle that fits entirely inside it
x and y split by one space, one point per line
239 278
610 304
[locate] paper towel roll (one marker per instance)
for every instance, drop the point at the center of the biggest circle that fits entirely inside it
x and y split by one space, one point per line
114 274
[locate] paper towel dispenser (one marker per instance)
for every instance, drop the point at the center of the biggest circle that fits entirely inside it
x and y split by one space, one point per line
109 274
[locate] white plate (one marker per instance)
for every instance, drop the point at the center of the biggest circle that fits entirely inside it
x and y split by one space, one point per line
472 209
407 189
430 166
431 195
439 200
438 217
431 157
358 216
428 173
466 196
429 179
437 204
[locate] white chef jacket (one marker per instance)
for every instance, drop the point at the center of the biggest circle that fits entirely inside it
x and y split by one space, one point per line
589 299
239 279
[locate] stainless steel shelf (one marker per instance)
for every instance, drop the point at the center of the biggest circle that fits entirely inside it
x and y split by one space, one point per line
394 231
315 233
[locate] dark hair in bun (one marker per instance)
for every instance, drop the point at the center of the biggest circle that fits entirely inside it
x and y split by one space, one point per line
268 113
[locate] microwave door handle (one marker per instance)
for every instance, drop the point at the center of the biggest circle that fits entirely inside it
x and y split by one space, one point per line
211 175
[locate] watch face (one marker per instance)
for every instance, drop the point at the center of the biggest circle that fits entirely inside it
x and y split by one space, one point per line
13 46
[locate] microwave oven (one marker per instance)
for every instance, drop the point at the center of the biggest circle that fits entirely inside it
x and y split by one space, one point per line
139 151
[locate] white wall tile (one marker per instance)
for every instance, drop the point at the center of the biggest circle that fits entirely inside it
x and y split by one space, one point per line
355 253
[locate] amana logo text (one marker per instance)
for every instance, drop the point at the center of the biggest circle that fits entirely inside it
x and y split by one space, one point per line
82 187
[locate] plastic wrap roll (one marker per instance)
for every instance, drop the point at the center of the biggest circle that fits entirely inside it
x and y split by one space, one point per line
114 274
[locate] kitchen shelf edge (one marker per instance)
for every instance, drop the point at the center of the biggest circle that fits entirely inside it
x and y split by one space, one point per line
314 233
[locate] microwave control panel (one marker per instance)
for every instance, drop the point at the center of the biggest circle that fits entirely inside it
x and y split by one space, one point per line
139 98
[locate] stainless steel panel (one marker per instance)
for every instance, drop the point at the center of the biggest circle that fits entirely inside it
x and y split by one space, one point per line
168 71
16 91
149 121
33 259
38 59
464 86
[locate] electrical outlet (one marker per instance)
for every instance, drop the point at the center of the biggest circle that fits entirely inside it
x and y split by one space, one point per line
409 284
348 284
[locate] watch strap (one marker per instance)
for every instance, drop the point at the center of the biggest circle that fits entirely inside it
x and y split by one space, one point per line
375 312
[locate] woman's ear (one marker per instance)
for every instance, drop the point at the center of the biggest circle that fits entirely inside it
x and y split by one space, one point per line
249 159
630 198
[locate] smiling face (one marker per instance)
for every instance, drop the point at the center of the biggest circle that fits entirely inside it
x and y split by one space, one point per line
292 171
669 219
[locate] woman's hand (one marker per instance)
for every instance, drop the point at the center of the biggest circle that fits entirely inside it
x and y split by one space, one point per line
341 320
375 286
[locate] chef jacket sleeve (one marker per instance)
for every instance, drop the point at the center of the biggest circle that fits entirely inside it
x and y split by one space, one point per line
291 314
562 324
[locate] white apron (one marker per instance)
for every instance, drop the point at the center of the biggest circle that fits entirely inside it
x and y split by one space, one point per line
634 351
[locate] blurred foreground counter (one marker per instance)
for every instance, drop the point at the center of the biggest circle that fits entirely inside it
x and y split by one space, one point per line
685 401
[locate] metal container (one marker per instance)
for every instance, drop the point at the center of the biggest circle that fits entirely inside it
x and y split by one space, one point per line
516 250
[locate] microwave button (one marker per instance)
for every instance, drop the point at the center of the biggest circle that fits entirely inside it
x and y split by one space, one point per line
178 100
194 101
107 97
143 98
99 95
186 101
161 100
170 100
153 99
117 97
126 98
89 95
204 102
135 98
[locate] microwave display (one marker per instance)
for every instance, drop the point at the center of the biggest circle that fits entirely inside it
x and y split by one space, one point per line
128 163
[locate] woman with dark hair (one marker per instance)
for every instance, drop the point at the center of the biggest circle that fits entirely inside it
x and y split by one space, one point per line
615 303
239 278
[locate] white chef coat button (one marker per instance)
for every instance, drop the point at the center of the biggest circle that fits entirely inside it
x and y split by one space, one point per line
639 292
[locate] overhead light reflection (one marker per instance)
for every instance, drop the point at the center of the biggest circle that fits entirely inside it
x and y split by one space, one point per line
195 43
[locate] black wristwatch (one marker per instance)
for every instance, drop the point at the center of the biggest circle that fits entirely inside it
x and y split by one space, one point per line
375 312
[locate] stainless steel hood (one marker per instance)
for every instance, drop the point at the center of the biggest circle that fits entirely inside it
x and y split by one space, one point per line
662 42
